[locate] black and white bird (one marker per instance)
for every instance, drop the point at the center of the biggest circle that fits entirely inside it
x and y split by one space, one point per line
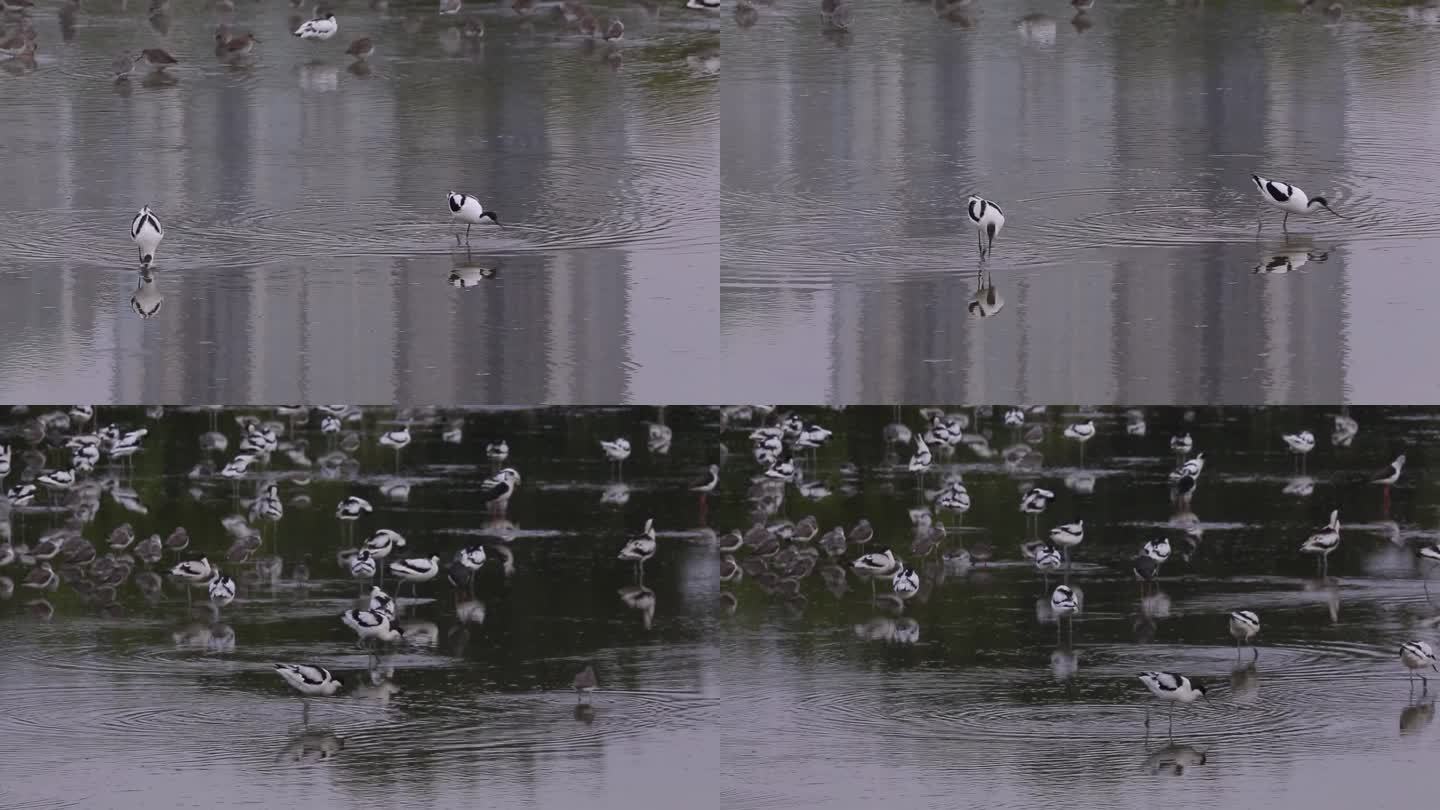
1158 550
922 458
497 451
617 450
1324 541
1181 444
362 565
1416 655
396 440
372 625
471 558
1171 688
702 5
906 583
57 480
878 563
641 548
1244 626
310 681
352 507
497 489
1081 432
988 219
381 602
1299 443
194 572
1288 198
1033 503
146 233
415 570
1068 535
222 590
467 209
1191 467
382 543
318 29
707 480
1387 476
1063 602
21 494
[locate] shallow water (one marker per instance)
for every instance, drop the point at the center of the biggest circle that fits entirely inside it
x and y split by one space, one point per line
971 694
1130 267
140 700
308 250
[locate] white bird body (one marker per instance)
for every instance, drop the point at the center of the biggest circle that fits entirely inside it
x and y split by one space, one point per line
146 233
617 450
383 542
1391 474
194 572
222 590
1244 625
1192 468
57 479
1080 431
1172 687
499 487
320 28
371 624
906 582
708 481
416 569
876 563
1048 558
1182 443
465 208
497 451
1068 535
1326 540
1157 550
1062 601
921 460
639 549
396 439
472 557
1302 442
1035 500
352 508
987 218
381 602
1417 655
362 566
308 680
1288 198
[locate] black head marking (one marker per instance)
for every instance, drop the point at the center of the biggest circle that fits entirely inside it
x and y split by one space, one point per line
490 215
1320 201
456 201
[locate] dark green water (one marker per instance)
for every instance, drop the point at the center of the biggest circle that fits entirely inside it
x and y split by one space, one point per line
971 695
168 706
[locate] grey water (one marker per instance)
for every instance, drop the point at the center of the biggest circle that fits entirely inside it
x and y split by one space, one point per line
971 694
1119 144
139 696
309 252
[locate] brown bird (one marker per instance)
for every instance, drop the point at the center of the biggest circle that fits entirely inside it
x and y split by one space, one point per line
17 6
584 682
522 7
157 58
361 48
616 31
472 29
588 25
238 46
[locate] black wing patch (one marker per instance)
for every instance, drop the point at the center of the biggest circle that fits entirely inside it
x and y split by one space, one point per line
1274 190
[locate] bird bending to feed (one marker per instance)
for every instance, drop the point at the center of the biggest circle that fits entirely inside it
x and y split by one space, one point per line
1244 625
615 31
1416 655
467 209
1288 198
372 625
702 5
146 233
584 682
363 47
1324 541
157 58
988 220
320 28
639 549
231 47
310 681
1173 689
416 570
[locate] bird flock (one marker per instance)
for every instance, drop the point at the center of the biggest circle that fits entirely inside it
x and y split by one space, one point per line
779 555
65 460
19 38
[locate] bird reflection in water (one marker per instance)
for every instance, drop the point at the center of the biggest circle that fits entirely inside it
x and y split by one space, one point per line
639 598
585 713
1245 681
987 300
1174 759
312 746
1289 257
146 300
1416 716
466 273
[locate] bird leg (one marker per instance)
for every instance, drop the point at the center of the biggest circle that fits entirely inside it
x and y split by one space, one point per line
1284 223
980 243
1254 653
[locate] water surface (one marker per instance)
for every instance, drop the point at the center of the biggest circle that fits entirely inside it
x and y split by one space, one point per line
308 250
1120 146
139 698
971 694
